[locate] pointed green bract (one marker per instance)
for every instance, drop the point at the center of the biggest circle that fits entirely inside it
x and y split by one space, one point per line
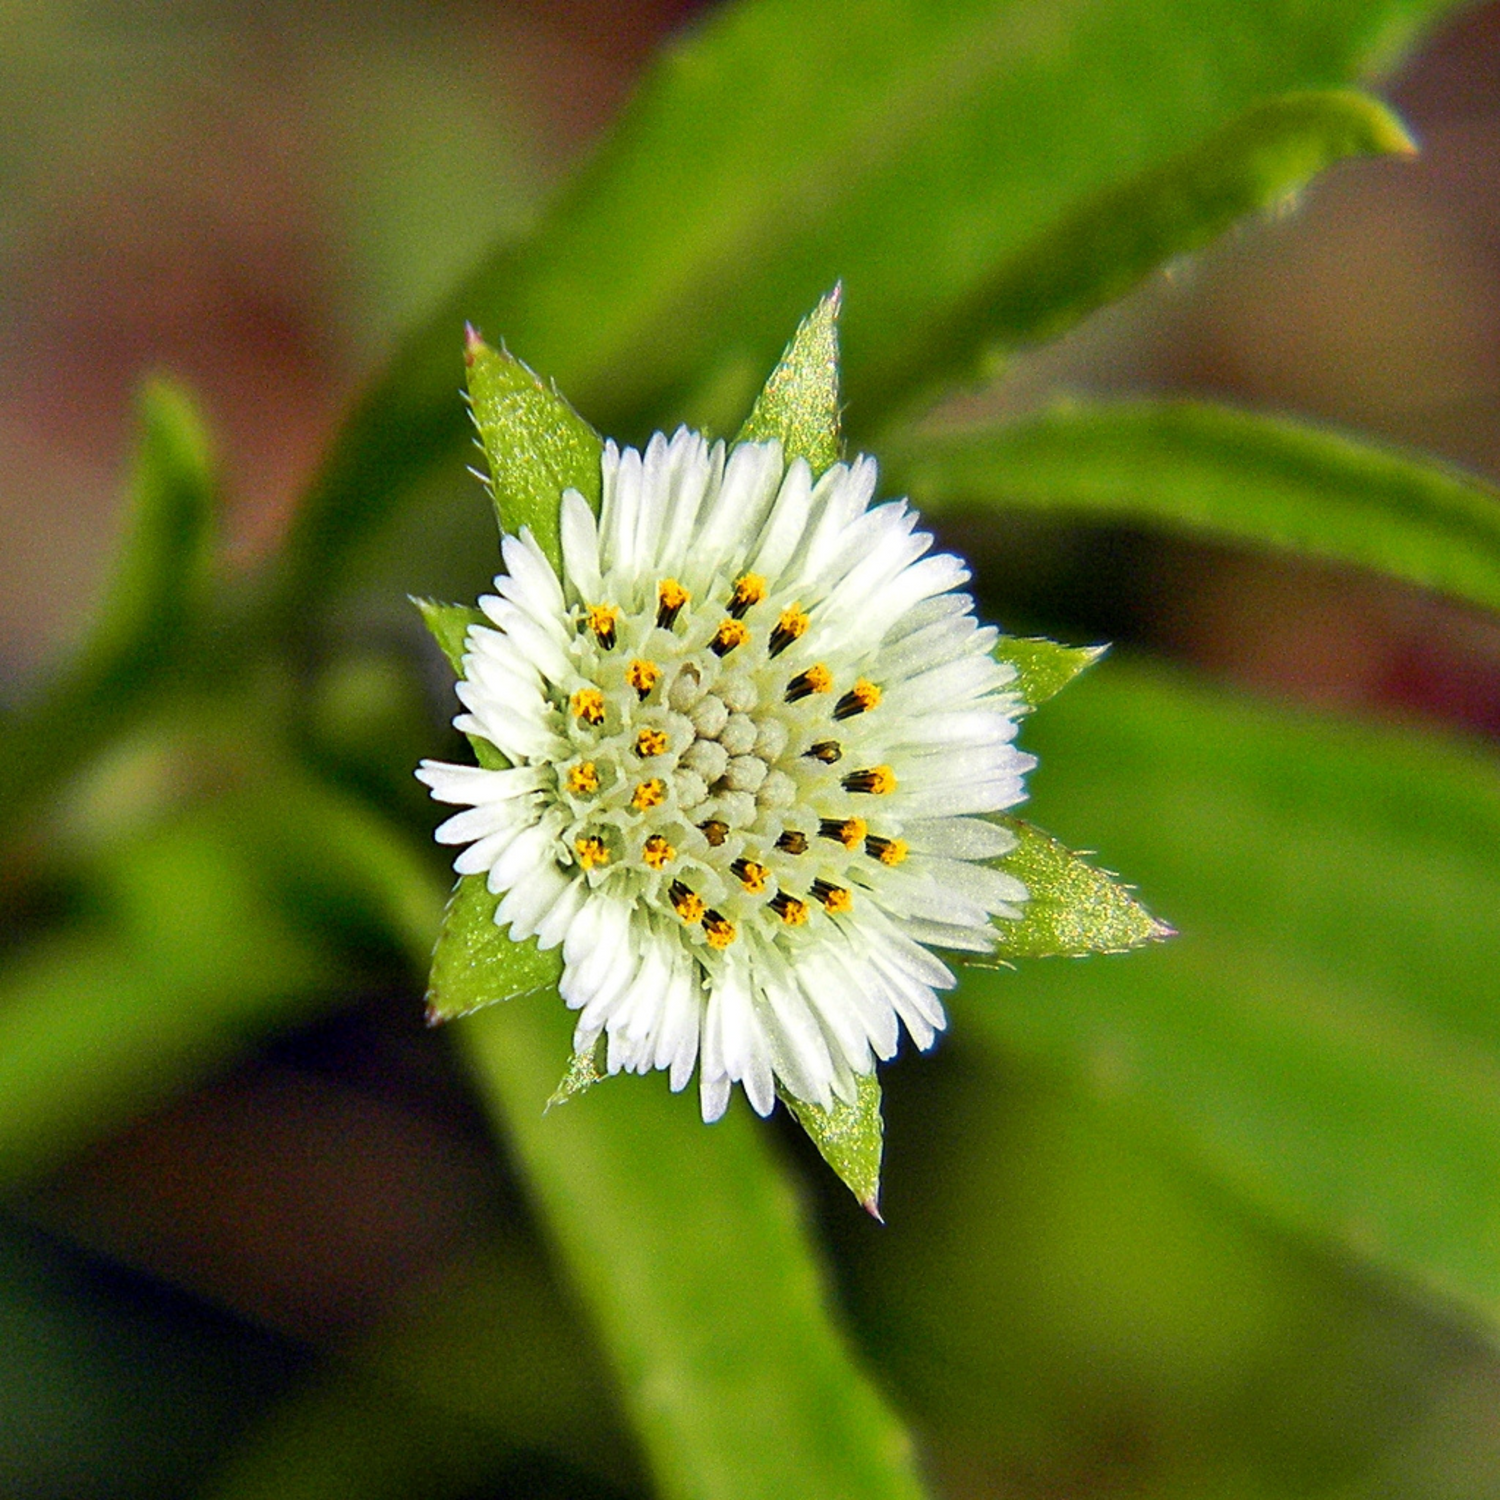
1210 471
476 964
849 1137
583 1073
1044 668
800 402
1072 908
536 444
450 624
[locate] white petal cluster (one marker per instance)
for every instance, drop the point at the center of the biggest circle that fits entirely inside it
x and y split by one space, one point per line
753 733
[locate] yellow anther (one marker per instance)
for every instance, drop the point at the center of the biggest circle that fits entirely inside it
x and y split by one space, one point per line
859 699
714 831
657 852
686 903
602 618
588 704
790 627
850 832
878 781
816 679
834 897
591 851
731 633
649 794
791 911
670 597
748 590
583 778
720 930
887 851
650 742
642 676
751 875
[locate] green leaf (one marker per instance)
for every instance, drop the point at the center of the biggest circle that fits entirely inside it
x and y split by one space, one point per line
1072 909
1324 1033
1213 472
475 962
849 1137
800 402
1106 244
1043 668
160 580
915 152
685 1245
536 444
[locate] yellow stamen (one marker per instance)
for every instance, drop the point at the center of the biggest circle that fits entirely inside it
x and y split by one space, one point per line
790 627
602 619
862 697
650 742
588 705
642 676
657 852
670 597
720 930
791 911
878 781
731 633
751 875
649 794
714 831
816 679
887 851
748 590
686 903
834 897
591 851
850 832
583 778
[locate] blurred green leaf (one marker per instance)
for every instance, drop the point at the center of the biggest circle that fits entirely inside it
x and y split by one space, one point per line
213 926
483 1362
1324 1034
917 153
1230 475
159 580
475 962
685 1246
1102 247
536 444
849 1137
799 404
1043 668
1072 909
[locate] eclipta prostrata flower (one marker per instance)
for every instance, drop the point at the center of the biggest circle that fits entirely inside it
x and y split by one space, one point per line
753 731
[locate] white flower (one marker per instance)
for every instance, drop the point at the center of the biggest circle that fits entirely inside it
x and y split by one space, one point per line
753 732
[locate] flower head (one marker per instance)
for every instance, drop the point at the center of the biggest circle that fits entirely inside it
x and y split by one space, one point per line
753 731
